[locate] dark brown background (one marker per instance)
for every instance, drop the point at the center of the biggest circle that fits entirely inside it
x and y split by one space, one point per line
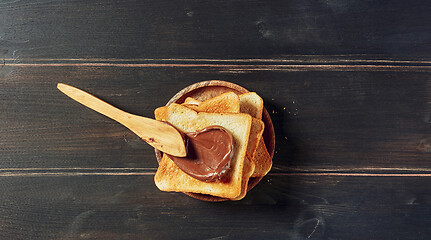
347 84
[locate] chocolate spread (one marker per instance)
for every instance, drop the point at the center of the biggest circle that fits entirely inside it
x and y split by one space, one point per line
209 152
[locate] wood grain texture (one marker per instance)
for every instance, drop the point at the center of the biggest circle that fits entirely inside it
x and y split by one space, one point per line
347 85
322 119
119 207
213 29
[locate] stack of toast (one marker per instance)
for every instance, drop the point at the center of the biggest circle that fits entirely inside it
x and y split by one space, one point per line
241 116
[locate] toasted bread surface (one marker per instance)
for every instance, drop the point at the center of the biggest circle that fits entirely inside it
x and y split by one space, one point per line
252 104
249 103
246 174
170 178
230 102
257 127
262 160
223 103
192 101
160 113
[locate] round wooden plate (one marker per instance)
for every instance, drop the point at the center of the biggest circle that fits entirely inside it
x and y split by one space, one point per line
209 89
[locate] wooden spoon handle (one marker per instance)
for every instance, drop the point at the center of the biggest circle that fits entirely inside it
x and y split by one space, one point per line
160 135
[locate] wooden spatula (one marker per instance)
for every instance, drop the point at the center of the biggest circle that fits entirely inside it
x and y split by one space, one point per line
161 136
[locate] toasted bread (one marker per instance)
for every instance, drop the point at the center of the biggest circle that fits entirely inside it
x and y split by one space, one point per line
247 171
252 104
223 103
192 101
262 160
160 113
256 132
170 178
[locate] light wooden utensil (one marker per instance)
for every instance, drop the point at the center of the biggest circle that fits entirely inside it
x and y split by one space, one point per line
161 136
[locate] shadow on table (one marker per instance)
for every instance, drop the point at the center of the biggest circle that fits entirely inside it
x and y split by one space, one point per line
290 149
282 197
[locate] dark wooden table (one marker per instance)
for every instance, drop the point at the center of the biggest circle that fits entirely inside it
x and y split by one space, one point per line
347 84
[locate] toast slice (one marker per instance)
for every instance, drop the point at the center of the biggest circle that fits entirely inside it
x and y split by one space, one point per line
252 104
256 131
170 178
160 113
246 174
224 103
262 160
192 101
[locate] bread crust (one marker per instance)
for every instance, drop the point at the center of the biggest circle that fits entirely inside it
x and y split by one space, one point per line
170 178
